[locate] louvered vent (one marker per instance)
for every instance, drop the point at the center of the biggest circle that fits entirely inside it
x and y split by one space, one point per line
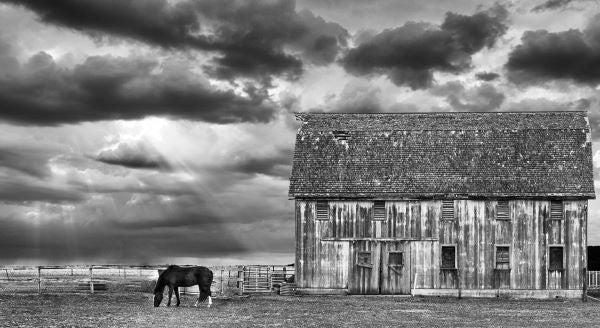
379 210
341 135
556 210
502 211
448 210
322 210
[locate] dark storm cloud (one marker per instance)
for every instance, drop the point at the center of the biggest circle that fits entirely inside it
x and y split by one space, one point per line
543 56
410 54
277 164
551 5
107 88
480 98
248 37
62 241
137 156
31 161
487 76
18 189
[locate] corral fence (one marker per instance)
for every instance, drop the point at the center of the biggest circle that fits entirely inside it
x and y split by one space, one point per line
593 279
227 280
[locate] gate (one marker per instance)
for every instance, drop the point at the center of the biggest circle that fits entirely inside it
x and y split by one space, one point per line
263 278
379 267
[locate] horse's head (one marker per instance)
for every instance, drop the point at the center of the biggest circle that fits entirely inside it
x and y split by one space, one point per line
158 296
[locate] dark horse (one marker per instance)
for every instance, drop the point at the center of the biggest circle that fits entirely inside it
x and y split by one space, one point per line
175 276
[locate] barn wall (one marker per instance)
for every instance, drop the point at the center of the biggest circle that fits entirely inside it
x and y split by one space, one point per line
325 248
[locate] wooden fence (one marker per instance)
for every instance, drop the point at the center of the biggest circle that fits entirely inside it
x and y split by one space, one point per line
227 280
593 279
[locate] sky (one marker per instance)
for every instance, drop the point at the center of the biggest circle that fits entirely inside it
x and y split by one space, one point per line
155 131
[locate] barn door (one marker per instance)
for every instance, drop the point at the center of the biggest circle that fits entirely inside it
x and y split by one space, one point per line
379 267
395 268
364 271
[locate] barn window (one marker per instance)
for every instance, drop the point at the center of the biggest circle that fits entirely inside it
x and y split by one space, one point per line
396 259
502 210
365 259
341 135
448 209
556 210
502 257
322 210
449 257
379 210
556 258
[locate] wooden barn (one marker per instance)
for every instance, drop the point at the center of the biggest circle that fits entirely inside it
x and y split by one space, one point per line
464 204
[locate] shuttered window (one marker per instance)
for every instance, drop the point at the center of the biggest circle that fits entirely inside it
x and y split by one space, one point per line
341 135
502 257
322 210
379 210
396 259
555 258
448 257
448 210
556 210
365 259
502 210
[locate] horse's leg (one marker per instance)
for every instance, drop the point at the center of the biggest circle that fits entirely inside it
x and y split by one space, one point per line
177 294
199 296
209 301
170 295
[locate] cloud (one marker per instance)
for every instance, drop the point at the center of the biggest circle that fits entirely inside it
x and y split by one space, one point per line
487 76
551 5
484 97
248 38
40 92
137 155
568 55
410 54
18 189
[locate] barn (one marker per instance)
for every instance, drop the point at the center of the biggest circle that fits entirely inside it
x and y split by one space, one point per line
480 204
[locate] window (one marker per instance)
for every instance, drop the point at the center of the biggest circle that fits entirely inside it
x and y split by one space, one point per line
365 259
556 210
556 258
502 257
396 259
502 210
322 210
379 210
449 257
341 135
448 209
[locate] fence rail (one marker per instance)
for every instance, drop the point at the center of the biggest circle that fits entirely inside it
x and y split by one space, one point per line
227 280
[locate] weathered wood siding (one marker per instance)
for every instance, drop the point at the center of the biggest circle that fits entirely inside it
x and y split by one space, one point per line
326 251
320 264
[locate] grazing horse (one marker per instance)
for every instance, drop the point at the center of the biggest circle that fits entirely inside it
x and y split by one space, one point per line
175 276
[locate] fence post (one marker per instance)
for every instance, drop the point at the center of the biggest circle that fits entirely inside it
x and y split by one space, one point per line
585 284
240 279
221 281
7 276
39 280
91 281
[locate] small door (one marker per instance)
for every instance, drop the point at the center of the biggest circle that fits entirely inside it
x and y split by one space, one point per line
379 267
363 276
395 268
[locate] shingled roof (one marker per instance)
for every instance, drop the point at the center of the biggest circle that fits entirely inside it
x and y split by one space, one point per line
443 155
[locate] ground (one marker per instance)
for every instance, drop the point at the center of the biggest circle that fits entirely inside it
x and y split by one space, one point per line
133 310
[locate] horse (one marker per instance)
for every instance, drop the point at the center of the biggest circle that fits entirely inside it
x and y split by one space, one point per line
175 276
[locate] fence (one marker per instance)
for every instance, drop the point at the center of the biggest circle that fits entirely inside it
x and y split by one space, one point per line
593 279
227 280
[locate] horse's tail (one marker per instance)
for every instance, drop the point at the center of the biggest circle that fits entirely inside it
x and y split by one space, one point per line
205 287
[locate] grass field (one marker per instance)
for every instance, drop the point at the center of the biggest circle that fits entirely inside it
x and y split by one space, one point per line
135 310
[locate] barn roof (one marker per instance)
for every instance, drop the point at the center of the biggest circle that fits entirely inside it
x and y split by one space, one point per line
443 155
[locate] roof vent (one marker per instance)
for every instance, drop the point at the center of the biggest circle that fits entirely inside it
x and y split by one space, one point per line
341 134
